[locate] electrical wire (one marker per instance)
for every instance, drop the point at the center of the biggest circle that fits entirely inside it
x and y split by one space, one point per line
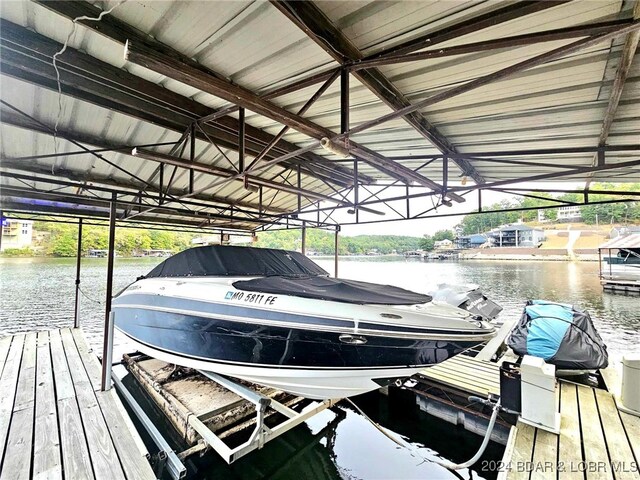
62 50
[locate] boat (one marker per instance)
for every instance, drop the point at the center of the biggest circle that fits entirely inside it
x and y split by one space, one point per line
275 318
468 297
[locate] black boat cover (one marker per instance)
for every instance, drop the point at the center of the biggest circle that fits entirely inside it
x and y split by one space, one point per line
218 260
333 289
560 334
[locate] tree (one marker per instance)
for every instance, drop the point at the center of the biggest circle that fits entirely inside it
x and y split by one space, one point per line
443 235
427 243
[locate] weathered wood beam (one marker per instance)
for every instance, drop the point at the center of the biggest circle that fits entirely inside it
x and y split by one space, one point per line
489 19
28 56
498 43
624 66
148 52
310 19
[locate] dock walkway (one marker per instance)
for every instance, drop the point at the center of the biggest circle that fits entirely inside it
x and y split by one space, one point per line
54 420
596 441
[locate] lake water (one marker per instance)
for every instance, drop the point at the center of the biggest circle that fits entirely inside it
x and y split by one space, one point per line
38 294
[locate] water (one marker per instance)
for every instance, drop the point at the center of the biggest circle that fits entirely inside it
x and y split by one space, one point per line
38 293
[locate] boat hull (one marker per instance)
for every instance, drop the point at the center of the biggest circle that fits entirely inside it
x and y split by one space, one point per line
311 362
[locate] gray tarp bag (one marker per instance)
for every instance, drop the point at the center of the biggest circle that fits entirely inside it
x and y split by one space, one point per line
560 334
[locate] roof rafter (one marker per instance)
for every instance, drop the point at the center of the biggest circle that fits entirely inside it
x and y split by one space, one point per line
489 19
28 56
319 28
148 52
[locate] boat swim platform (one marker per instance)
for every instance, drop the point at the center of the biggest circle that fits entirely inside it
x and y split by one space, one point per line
54 420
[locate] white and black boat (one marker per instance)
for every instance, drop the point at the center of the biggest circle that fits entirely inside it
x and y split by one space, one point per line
275 318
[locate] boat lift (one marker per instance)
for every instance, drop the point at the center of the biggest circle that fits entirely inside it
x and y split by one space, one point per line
263 406
261 433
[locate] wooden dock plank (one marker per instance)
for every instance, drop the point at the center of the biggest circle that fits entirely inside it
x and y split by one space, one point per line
62 376
569 444
17 455
46 449
27 378
75 453
545 456
595 449
620 453
463 383
8 385
101 448
5 343
522 453
632 428
134 465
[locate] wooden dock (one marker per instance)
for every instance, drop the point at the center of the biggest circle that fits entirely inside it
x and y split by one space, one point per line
596 441
468 374
54 421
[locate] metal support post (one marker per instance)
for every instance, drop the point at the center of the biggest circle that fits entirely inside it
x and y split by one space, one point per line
335 255
1 227
192 156
299 179
161 182
76 316
479 201
445 175
408 200
303 245
344 100
241 139
107 348
356 190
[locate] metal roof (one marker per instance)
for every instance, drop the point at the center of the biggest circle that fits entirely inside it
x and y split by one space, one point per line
534 123
623 241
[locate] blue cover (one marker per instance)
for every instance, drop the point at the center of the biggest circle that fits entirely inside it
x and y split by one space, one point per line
549 324
560 334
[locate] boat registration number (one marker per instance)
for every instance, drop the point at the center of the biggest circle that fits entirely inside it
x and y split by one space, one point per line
256 298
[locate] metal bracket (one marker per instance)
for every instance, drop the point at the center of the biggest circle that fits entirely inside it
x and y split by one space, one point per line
261 433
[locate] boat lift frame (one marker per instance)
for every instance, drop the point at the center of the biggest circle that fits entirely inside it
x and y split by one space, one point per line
261 433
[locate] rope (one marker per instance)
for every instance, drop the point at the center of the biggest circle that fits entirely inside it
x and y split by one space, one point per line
62 50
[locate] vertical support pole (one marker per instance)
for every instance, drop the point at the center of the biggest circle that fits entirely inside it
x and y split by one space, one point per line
107 347
192 155
600 264
344 100
408 205
303 243
356 189
241 139
161 181
335 254
479 200
1 228
76 316
445 175
260 199
299 188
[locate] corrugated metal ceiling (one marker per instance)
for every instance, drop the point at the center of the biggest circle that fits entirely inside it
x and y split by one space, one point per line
560 104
